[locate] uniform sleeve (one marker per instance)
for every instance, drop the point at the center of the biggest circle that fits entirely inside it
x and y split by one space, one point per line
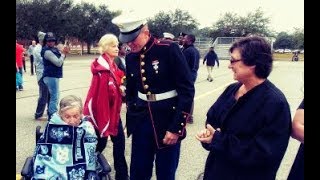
185 90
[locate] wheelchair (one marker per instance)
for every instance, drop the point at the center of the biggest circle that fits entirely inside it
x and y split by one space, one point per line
103 172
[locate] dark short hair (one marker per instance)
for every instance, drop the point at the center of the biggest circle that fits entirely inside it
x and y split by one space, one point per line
182 34
191 38
255 51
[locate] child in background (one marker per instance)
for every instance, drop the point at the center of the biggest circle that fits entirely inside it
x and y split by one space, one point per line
67 147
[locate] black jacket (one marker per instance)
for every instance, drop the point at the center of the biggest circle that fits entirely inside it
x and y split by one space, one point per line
255 132
159 67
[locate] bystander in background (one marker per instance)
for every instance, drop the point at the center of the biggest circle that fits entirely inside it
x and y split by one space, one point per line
43 98
211 57
192 56
53 59
19 64
30 54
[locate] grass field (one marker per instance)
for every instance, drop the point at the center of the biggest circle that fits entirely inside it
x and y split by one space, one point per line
286 57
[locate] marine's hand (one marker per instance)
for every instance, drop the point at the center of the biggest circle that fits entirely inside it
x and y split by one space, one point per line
170 138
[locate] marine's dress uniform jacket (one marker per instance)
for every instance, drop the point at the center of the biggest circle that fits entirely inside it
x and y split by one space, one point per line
255 131
158 68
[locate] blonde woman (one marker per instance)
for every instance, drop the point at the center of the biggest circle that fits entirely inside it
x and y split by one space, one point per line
103 102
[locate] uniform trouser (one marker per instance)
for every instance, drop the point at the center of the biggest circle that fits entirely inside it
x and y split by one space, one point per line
53 88
43 99
31 65
144 153
119 160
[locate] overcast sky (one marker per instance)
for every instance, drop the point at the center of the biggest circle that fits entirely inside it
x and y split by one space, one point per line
284 14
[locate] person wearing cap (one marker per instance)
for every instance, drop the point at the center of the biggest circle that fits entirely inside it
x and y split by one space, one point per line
53 59
181 39
43 89
159 95
168 36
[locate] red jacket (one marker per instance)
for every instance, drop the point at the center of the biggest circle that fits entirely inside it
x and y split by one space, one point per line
19 54
103 101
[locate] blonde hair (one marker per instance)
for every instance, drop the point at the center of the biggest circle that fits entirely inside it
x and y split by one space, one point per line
70 101
106 41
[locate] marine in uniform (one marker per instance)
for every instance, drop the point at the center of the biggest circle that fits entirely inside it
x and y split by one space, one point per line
168 36
159 96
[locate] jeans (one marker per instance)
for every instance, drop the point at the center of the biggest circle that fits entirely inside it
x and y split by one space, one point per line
120 163
20 82
53 87
42 100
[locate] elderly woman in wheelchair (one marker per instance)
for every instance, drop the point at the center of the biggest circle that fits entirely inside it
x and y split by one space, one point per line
67 147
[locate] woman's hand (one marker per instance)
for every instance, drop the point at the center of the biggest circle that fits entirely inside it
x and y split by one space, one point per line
206 135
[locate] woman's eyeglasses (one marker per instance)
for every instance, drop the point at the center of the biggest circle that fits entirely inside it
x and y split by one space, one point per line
232 61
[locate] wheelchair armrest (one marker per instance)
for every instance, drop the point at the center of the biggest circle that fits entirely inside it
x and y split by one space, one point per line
38 133
106 168
27 168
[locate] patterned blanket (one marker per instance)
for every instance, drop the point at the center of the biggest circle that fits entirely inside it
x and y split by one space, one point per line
66 152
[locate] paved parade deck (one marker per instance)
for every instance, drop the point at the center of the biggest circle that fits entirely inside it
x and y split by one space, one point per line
287 75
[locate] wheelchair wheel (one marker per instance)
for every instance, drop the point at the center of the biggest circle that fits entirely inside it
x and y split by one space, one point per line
107 177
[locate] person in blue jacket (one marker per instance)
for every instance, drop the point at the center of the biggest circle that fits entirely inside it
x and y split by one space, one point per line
248 127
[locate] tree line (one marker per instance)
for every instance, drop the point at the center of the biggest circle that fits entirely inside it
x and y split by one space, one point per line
86 23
